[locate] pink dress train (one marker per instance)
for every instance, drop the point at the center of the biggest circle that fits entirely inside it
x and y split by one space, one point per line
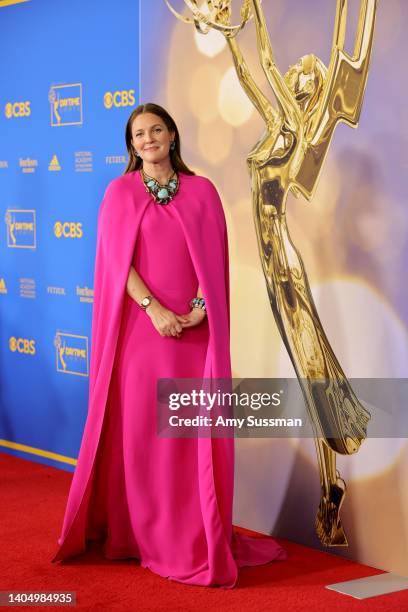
145 498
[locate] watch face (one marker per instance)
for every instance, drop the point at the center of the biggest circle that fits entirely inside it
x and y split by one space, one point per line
146 301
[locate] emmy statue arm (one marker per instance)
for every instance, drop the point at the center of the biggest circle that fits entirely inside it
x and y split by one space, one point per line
286 101
258 99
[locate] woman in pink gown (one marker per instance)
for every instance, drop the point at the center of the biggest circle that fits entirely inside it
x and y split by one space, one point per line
158 499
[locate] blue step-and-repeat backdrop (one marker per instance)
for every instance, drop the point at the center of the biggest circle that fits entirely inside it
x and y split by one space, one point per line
69 75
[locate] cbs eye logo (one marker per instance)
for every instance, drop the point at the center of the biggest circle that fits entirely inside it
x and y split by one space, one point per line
68 230
17 109
126 97
22 345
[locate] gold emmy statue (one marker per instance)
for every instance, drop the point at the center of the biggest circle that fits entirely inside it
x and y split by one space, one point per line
311 101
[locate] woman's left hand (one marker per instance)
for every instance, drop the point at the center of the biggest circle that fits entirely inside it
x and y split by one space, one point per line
194 317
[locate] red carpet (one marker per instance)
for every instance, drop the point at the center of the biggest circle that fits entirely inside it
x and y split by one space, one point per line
33 499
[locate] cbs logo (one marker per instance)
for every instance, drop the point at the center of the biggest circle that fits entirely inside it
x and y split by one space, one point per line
22 345
18 109
68 229
119 98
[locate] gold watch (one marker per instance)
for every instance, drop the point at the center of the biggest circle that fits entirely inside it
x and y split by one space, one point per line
146 301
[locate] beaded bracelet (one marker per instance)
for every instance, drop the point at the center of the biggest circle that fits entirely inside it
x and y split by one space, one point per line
198 302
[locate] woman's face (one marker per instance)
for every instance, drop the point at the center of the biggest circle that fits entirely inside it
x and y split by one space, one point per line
151 137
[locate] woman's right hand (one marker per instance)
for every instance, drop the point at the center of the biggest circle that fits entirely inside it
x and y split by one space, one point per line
164 320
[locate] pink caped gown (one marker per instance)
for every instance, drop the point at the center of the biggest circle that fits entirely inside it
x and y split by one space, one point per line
145 498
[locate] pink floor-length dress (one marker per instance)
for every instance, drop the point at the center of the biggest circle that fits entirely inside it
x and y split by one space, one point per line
145 498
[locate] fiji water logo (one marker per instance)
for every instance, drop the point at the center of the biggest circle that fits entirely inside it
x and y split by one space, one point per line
71 353
66 104
21 228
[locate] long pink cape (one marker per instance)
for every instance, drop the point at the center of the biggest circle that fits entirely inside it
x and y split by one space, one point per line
202 218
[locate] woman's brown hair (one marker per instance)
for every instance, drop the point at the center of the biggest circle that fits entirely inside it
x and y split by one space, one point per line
134 162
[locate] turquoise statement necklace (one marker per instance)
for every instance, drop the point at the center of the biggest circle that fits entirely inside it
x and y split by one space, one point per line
162 194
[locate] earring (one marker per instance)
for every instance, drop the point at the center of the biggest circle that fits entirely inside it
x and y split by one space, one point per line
136 153
173 146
